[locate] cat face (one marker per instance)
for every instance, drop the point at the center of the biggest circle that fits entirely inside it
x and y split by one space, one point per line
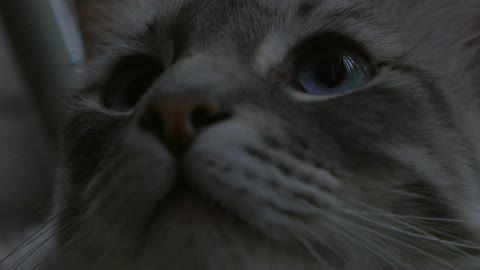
271 135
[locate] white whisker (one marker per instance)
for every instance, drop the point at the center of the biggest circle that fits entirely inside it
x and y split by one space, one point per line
411 247
368 242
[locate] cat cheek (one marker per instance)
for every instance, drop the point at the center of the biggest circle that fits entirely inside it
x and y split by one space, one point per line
141 165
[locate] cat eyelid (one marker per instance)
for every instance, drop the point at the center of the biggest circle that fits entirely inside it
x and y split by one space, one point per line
329 39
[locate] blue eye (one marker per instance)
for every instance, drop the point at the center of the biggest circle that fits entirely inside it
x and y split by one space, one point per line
333 73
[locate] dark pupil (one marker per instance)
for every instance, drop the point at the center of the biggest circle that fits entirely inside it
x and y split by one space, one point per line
331 71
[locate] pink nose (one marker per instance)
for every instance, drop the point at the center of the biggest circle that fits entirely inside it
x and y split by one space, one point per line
177 120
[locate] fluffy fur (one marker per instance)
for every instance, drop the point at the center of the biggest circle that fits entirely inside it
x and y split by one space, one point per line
386 177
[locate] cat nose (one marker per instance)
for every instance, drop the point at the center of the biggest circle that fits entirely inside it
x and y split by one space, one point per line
177 120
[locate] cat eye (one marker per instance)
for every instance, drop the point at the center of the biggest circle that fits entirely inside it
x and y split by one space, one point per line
333 72
130 79
328 65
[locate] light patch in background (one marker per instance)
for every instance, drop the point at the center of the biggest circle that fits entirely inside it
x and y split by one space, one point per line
26 159
69 28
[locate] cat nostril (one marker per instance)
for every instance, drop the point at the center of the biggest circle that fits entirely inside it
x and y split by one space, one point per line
178 119
203 117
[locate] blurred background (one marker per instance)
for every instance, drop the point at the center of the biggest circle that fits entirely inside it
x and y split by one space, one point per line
39 46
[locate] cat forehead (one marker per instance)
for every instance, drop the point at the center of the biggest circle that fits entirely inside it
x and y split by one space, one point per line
126 15
247 27
171 7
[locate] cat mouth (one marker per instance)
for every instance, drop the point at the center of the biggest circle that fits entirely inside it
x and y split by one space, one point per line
184 191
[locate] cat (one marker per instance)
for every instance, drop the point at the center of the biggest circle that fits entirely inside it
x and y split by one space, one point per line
262 134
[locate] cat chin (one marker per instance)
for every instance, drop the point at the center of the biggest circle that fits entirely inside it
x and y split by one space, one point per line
193 234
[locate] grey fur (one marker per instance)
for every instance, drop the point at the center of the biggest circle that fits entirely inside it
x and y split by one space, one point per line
386 177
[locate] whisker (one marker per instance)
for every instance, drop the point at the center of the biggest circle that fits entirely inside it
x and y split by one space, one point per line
25 257
32 249
446 233
324 243
399 191
39 264
310 249
396 229
449 244
412 247
369 243
366 213
408 220
415 196
425 235
32 238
